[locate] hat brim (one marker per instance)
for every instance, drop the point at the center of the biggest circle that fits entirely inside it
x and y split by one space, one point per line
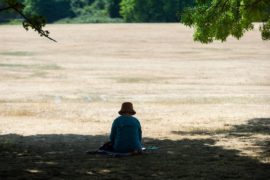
127 112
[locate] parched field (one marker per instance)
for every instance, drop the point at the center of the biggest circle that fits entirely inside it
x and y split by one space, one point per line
206 106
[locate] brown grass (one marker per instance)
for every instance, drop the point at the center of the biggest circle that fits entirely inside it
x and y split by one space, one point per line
189 97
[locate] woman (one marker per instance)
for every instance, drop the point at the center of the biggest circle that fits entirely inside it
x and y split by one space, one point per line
126 133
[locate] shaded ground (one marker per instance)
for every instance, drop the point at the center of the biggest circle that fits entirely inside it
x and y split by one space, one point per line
255 131
63 157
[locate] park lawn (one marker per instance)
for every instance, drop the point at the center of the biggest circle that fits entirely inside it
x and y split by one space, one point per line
205 106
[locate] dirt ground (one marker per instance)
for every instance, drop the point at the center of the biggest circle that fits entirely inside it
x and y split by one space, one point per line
206 106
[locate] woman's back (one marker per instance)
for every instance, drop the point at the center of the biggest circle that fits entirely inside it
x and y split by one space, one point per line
126 134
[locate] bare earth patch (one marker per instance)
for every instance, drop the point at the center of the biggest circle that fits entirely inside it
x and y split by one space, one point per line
206 106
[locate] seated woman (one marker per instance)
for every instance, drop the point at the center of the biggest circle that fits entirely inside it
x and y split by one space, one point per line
126 133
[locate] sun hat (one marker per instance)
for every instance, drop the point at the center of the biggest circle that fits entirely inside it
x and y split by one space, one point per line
127 108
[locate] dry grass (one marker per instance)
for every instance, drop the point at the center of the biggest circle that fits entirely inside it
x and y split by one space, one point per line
214 97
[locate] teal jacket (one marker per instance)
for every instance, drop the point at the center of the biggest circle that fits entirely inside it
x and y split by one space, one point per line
126 134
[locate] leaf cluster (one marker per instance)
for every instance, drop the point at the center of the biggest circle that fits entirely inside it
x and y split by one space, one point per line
219 19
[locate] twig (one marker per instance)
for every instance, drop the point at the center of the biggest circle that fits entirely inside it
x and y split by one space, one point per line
36 28
6 8
39 30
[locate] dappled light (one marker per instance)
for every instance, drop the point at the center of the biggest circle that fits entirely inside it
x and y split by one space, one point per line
256 134
185 158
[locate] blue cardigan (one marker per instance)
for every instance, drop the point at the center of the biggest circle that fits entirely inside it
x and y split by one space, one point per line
126 134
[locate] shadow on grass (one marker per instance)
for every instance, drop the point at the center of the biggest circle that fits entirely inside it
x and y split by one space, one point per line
253 127
63 157
257 126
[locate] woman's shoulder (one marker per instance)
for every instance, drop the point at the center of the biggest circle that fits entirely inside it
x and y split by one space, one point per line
136 120
120 118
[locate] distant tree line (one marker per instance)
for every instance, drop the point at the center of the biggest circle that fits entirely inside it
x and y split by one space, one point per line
211 19
85 11
153 10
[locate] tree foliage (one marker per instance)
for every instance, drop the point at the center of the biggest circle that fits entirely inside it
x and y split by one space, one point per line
51 9
114 8
218 19
93 11
79 6
153 10
35 21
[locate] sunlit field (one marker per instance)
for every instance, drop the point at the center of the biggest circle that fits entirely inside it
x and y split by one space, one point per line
206 106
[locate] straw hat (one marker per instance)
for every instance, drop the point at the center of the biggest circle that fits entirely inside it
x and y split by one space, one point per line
127 108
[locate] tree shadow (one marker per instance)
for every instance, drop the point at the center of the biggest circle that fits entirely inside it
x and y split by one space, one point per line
253 127
256 126
55 156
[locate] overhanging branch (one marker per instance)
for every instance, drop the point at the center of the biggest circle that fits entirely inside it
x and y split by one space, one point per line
36 26
39 30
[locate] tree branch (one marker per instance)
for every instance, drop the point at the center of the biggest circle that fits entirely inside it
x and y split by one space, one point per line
17 7
216 7
40 31
6 8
